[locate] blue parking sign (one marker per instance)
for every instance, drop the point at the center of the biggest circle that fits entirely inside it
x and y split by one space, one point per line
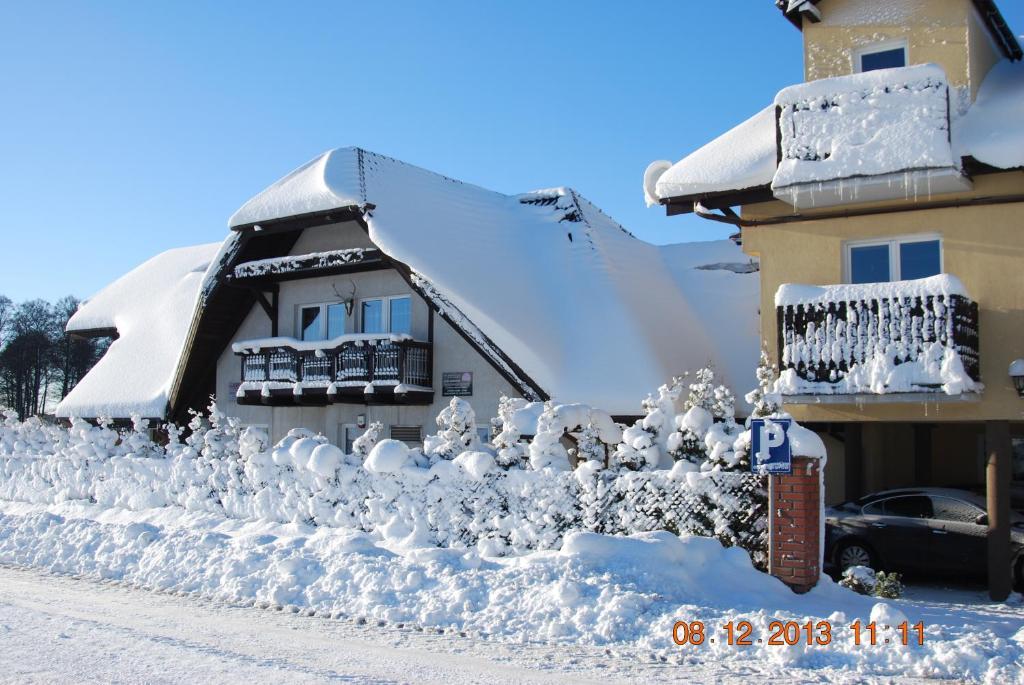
770 450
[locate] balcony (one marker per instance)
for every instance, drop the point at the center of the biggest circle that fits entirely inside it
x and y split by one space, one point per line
350 369
880 341
879 135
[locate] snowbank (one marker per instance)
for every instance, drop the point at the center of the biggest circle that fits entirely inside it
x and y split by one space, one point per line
151 307
617 591
587 295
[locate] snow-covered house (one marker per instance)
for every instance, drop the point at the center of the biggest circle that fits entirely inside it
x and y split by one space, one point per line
359 288
883 198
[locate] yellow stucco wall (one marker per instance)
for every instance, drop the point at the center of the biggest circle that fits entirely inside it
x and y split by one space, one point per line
944 32
982 245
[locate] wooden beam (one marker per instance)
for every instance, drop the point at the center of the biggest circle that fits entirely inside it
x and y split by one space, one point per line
997 493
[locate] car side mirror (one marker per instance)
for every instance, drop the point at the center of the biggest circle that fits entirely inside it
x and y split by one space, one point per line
982 520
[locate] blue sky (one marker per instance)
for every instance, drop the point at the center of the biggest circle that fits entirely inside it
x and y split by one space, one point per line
132 127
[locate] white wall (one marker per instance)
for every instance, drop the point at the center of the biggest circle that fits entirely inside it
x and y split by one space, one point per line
451 352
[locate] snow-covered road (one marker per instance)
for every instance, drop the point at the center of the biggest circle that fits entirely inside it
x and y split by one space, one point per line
61 629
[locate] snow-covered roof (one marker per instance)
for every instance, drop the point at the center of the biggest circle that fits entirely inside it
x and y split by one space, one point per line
586 310
151 308
741 158
991 131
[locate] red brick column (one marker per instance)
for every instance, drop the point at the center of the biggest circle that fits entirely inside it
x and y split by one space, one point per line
797 525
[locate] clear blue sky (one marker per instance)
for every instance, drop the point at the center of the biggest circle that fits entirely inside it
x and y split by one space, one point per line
131 127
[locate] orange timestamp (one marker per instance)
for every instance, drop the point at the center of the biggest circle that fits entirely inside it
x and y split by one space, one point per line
789 633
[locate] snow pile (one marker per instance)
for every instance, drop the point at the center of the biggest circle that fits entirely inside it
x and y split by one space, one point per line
869 124
878 338
290 263
742 158
578 275
624 592
151 308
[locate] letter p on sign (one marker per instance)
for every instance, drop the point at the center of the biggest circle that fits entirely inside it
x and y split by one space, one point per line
770 448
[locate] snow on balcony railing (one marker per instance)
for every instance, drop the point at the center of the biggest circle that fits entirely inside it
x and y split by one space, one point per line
879 338
305 262
884 122
348 361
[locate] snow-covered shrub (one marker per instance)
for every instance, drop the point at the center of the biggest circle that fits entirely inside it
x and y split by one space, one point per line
516 417
363 445
456 434
865 581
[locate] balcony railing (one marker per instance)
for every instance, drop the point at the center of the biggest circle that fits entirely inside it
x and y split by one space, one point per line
359 365
909 336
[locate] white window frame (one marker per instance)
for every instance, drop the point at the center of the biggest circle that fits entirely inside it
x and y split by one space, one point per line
885 46
386 311
894 253
323 316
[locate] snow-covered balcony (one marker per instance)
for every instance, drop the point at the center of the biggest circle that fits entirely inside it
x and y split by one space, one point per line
375 369
880 135
880 341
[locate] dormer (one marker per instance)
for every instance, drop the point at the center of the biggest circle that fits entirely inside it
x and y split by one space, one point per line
964 37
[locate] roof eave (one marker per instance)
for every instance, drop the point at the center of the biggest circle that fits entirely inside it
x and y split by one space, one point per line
683 204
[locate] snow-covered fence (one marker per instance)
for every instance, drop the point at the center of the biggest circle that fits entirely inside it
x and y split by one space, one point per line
465 501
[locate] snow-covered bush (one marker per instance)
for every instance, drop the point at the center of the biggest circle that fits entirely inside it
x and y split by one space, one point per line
865 581
456 434
363 445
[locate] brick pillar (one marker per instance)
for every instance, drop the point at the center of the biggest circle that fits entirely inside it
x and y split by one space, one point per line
797 525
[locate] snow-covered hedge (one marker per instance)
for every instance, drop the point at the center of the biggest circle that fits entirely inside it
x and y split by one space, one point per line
683 468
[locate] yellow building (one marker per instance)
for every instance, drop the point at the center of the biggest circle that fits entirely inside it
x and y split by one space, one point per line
883 197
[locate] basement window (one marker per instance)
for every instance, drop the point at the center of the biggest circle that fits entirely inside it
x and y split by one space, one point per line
902 259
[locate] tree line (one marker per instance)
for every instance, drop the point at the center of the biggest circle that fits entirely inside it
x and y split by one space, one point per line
39 362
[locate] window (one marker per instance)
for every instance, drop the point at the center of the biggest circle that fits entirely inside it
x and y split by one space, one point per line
893 260
322 321
913 506
889 57
483 431
310 324
949 509
386 315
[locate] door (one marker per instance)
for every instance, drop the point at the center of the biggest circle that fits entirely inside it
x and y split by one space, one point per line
959 542
898 528
347 434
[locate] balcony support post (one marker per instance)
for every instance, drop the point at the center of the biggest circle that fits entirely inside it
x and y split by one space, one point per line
997 490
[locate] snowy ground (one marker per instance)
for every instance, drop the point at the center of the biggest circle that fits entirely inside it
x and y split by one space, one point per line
63 629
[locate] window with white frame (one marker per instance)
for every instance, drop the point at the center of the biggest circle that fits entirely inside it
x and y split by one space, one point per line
899 259
881 56
386 315
321 321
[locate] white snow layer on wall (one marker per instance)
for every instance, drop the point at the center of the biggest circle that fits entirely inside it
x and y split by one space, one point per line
151 307
588 311
744 157
992 131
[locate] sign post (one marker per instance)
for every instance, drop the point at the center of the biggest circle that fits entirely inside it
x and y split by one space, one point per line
771 454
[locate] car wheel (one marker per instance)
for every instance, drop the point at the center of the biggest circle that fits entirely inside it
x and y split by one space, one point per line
855 553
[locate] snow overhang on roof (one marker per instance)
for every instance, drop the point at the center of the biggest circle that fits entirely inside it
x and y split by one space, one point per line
150 308
798 10
740 166
543 283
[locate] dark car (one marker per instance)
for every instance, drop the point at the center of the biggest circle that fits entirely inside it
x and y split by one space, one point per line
921 531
